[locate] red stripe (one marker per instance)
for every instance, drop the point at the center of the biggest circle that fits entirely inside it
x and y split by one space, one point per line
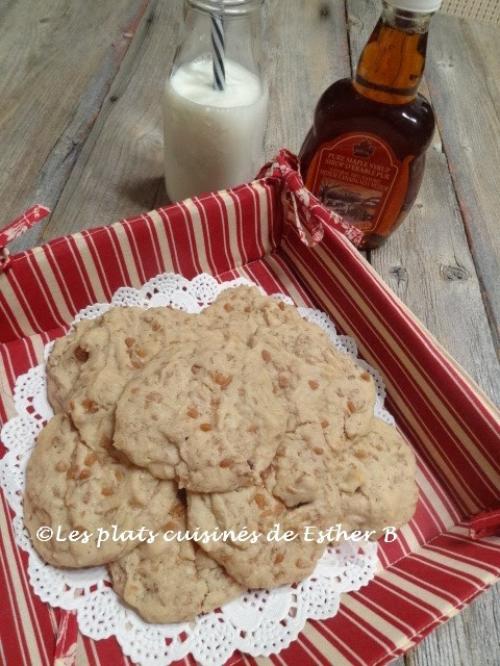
173 219
121 264
304 294
211 250
169 234
30 351
246 257
407 390
9 329
145 248
159 267
258 272
219 238
139 228
404 328
32 289
379 352
489 543
463 551
38 614
436 579
109 652
45 293
438 490
184 242
355 645
358 640
18 359
64 272
90 240
411 610
10 626
89 296
303 653
260 248
306 651
372 631
90 651
413 338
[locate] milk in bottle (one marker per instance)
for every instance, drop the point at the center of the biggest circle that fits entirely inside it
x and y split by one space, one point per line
213 138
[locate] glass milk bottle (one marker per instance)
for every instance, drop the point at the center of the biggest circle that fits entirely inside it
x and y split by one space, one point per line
215 99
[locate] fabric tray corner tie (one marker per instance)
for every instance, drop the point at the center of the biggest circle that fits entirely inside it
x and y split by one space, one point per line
305 211
486 523
17 228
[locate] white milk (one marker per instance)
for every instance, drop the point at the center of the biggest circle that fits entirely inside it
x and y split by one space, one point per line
213 139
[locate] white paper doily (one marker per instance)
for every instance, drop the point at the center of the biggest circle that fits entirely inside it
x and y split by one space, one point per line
260 622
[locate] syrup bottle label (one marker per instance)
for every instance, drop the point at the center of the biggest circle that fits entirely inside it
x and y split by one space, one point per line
354 176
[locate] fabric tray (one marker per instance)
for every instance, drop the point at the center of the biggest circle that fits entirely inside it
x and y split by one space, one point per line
449 552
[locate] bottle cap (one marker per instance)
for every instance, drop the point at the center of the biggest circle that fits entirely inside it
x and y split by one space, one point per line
417 6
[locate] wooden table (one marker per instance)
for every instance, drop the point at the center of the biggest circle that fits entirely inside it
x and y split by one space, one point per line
80 123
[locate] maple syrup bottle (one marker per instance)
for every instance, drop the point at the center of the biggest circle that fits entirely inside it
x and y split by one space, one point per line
364 156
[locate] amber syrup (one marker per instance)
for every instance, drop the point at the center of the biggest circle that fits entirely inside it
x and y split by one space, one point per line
364 157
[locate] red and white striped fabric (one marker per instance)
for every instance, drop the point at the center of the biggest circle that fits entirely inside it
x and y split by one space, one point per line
438 563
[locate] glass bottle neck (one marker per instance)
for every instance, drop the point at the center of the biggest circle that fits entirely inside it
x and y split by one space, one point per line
392 63
240 42
226 7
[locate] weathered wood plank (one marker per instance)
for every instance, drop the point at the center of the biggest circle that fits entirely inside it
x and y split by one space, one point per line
472 637
307 51
116 176
58 60
463 73
437 279
120 169
429 265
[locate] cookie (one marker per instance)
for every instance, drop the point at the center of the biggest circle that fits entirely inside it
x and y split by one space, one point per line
300 471
376 480
318 381
206 417
298 496
247 406
65 363
71 487
172 581
241 311
88 368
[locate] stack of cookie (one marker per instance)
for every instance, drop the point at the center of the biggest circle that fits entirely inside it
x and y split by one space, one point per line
241 418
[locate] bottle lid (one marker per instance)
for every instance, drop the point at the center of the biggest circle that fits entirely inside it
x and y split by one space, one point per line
417 6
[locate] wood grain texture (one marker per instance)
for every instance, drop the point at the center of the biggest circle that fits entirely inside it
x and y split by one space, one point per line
299 75
58 60
120 170
471 638
438 279
464 79
428 264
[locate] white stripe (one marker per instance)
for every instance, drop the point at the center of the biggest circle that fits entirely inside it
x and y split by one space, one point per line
417 425
90 239
161 235
231 226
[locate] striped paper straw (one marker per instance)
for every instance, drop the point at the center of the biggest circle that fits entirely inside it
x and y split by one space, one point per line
218 52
